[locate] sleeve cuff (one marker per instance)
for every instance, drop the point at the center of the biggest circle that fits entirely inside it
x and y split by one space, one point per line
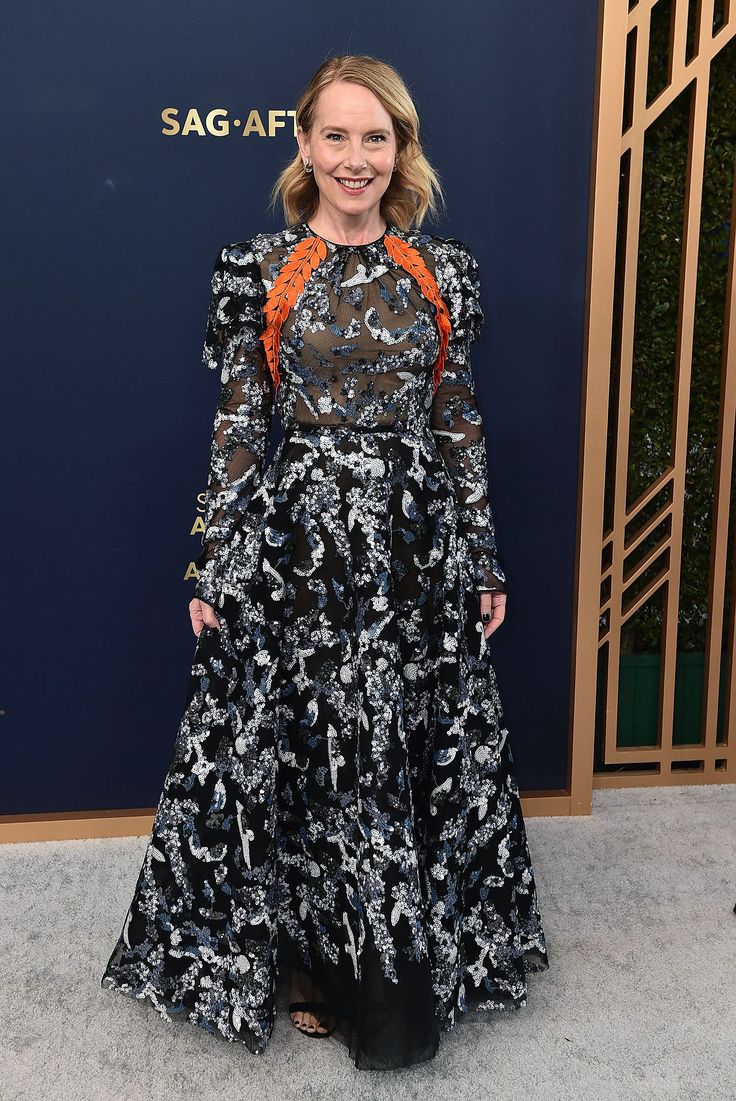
208 587
488 574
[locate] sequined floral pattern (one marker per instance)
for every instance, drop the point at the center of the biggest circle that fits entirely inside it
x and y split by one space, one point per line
341 804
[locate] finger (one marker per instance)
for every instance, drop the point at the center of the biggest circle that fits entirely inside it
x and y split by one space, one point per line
497 617
209 617
493 610
202 615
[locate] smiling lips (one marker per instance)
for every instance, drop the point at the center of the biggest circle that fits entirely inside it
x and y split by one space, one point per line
353 185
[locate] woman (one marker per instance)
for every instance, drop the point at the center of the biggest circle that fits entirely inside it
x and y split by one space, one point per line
340 827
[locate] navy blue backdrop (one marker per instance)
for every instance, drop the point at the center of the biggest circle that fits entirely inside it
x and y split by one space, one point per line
112 232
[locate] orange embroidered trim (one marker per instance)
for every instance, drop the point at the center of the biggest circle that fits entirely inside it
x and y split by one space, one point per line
411 260
305 257
288 285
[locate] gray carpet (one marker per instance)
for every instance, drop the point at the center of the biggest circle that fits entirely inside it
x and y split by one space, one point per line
639 1001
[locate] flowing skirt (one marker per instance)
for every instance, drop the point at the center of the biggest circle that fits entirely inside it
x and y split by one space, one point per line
340 815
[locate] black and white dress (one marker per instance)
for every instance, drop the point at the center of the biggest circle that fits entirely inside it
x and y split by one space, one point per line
341 806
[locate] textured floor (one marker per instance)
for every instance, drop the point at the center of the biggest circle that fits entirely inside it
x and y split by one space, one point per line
639 1001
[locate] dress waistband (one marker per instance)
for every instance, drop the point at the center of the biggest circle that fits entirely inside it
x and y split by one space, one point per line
310 427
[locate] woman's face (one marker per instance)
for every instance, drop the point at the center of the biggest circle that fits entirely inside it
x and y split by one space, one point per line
352 138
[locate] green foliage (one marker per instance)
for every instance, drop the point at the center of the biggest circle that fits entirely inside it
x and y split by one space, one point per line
659 275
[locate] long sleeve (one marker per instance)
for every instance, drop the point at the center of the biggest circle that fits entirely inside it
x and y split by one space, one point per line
456 420
244 412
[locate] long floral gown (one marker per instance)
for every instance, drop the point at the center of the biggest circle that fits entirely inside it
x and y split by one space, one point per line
341 807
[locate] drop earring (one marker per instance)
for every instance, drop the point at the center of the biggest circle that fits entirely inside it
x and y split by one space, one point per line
308 167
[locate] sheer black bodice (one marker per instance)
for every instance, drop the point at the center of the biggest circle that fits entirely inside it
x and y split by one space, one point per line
356 351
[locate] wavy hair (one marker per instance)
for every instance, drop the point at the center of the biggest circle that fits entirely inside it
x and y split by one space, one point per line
415 187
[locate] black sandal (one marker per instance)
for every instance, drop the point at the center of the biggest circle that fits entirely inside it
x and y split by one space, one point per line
319 1010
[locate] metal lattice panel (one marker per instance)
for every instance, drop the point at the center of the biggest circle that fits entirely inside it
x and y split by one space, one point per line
654 664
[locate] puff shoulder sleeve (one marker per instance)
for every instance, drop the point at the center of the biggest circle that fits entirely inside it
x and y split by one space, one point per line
244 410
456 419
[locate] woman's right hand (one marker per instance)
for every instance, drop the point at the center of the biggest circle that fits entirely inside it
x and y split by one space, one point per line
202 615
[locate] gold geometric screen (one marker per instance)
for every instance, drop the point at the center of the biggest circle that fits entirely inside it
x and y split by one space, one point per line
657 534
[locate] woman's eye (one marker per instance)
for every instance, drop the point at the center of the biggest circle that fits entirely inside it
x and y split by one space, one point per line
381 137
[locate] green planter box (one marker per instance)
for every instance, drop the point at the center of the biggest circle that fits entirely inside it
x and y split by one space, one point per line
638 698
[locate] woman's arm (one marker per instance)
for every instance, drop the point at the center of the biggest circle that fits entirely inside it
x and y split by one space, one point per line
456 419
244 411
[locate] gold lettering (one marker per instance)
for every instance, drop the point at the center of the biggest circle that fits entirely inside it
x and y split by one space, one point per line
254 125
217 123
193 123
275 121
168 115
221 129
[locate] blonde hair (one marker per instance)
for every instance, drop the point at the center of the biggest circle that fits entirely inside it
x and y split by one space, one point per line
415 188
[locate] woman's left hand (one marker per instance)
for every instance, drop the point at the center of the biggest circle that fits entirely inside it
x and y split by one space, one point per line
492 605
